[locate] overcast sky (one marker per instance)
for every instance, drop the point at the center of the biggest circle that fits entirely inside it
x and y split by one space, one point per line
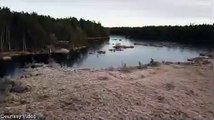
122 12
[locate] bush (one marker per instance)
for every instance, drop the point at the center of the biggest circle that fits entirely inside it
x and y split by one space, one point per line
154 63
140 65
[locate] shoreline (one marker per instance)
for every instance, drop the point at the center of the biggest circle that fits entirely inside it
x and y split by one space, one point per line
55 50
98 38
9 55
165 91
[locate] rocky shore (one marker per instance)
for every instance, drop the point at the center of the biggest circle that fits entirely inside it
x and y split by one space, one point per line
10 54
146 92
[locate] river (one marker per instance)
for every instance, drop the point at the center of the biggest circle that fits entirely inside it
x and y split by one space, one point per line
143 52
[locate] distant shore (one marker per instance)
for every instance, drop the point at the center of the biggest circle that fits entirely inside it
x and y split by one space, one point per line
9 54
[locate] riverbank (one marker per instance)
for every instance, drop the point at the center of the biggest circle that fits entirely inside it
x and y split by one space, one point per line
50 49
9 55
97 38
166 91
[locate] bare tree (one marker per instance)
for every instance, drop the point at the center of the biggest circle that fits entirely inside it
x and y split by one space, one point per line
8 38
2 40
24 43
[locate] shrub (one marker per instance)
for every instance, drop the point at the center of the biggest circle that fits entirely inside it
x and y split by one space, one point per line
140 65
154 63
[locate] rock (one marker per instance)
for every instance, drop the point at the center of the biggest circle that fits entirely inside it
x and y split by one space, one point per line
170 86
34 65
205 62
63 50
90 52
209 55
79 48
111 50
2 98
101 52
118 46
5 85
118 49
103 78
7 58
20 87
195 59
24 102
187 63
202 54
143 44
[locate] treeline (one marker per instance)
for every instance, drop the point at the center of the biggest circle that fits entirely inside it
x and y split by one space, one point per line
193 34
22 31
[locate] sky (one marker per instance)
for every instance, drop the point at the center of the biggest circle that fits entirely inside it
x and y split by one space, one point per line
112 13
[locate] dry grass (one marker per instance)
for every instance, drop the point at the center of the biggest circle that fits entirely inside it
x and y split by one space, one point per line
169 93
